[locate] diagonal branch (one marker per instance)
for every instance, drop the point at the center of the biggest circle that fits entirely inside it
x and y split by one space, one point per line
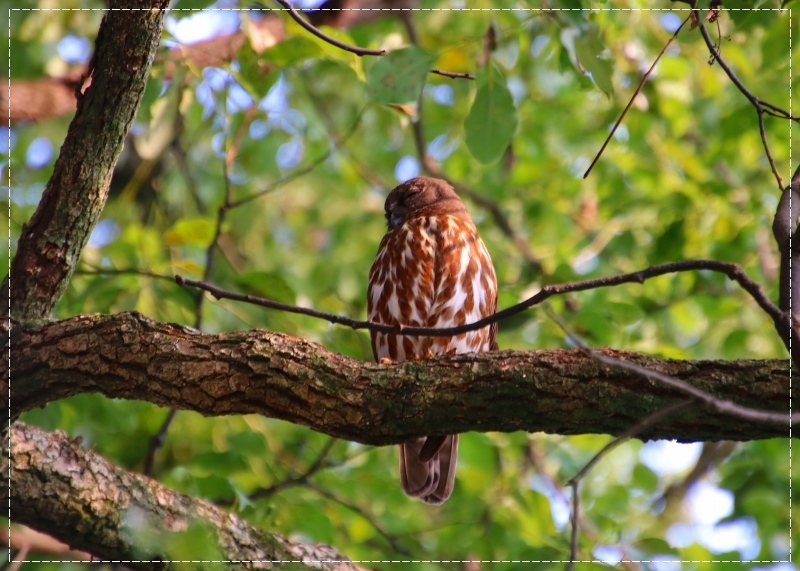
635 93
566 392
574 482
762 107
76 496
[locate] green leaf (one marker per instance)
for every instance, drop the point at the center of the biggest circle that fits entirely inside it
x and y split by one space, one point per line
266 284
492 119
292 52
398 77
255 70
589 49
191 231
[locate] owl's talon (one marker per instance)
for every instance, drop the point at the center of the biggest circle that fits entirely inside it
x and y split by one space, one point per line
385 361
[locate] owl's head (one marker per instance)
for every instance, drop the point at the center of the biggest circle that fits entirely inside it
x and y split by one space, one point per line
421 196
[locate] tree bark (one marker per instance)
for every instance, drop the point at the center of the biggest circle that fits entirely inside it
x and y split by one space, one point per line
85 501
566 392
51 243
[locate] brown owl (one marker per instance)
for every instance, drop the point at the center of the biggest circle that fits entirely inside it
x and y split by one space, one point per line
431 270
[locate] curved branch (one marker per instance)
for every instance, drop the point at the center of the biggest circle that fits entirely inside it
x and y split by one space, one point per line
76 496
325 37
733 271
51 243
567 392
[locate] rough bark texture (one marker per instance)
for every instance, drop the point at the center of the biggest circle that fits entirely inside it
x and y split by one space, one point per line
51 243
566 392
78 497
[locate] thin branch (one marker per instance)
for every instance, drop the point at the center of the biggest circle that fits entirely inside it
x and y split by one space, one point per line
123 272
390 539
733 271
574 518
305 170
716 404
325 37
757 102
574 482
19 558
156 442
635 93
302 478
763 132
760 105
637 428
452 74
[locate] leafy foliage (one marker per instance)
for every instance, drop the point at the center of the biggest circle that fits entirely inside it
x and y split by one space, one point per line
684 177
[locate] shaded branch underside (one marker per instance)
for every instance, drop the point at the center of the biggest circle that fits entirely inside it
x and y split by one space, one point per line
566 392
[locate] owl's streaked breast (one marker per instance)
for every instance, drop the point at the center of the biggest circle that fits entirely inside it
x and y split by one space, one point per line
432 271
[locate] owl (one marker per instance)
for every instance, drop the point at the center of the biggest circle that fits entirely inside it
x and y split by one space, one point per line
431 270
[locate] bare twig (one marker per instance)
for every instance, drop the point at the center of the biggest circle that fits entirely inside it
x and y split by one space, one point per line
760 105
763 132
635 93
712 455
718 405
733 271
574 482
302 478
156 442
574 518
122 272
646 422
305 170
757 102
390 539
452 74
325 37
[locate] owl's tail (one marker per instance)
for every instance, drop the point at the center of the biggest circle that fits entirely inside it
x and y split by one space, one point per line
428 467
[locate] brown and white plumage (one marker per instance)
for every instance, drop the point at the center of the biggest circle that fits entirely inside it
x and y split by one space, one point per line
431 270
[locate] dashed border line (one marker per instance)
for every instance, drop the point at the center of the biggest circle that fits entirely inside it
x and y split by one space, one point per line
613 562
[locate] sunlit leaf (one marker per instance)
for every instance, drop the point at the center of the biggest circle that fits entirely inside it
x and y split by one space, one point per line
398 76
492 120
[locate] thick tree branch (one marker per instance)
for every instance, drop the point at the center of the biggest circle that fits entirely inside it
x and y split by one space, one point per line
51 243
76 496
567 392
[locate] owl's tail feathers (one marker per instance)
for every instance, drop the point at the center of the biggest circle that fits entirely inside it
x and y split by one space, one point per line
429 480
